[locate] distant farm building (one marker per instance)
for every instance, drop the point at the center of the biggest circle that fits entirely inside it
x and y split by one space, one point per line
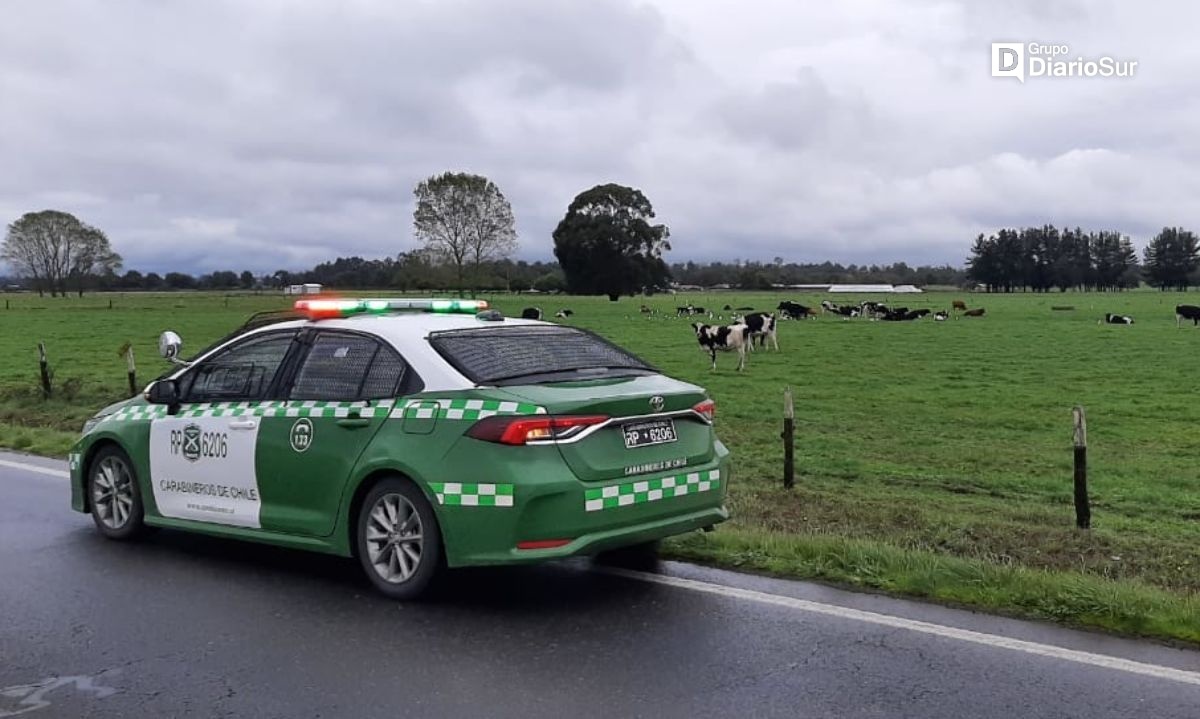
861 289
310 288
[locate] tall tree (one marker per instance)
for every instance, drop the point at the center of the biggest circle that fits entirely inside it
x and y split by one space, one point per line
51 247
1171 257
465 219
606 243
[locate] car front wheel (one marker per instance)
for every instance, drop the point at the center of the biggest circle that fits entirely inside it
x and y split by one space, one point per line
115 496
399 542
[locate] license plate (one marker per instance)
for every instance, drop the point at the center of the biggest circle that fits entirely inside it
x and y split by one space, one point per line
643 434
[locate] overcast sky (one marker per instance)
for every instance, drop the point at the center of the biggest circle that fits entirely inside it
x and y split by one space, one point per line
267 134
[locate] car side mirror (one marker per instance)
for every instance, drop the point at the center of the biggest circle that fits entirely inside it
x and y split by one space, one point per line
164 391
169 345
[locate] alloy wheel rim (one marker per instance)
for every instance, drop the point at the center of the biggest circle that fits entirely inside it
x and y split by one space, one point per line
394 538
112 492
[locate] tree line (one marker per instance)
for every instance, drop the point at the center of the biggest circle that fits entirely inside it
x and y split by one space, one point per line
1041 259
608 242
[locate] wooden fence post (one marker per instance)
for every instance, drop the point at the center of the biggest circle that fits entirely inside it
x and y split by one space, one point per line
789 439
44 367
132 370
1083 509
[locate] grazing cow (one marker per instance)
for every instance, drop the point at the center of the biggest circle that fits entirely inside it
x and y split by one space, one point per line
958 305
899 310
978 312
827 306
846 311
563 314
1111 319
1187 312
531 313
795 310
895 316
921 313
727 338
762 328
646 310
941 316
727 308
680 311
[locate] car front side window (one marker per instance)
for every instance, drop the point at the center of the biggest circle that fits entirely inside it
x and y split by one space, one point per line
241 373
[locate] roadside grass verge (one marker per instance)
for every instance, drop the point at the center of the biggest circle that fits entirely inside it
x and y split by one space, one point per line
1124 606
34 440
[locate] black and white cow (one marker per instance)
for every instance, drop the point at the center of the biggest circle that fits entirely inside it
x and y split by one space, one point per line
1187 312
941 316
1111 319
564 313
531 313
762 328
727 338
795 310
827 306
846 311
870 308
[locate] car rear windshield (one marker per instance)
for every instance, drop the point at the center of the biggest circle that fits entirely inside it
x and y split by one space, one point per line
531 354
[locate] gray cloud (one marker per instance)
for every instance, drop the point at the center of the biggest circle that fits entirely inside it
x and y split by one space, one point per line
266 135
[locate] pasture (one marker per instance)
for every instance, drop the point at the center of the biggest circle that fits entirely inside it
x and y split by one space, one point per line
932 458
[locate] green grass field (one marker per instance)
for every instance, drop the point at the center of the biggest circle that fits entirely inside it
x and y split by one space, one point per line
933 459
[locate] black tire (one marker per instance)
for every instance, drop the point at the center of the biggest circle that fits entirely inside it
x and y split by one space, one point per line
382 549
634 556
115 495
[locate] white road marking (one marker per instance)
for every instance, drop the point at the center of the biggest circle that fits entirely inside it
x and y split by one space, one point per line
938 630
36 469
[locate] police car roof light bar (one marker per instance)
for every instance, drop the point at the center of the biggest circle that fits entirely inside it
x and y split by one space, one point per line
333 308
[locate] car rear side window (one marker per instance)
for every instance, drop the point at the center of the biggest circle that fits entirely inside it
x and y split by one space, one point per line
347 367
533 353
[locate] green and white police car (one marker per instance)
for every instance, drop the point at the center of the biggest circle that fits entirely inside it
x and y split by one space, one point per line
411 434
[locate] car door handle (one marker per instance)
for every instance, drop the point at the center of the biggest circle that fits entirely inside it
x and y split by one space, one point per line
243 424
354 422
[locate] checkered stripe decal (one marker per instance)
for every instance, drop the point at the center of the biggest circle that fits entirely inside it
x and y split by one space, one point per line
255 409
462 409
457 494
465 409
308 408
650 490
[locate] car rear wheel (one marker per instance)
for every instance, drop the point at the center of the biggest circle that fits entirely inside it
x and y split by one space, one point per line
115 496
399 542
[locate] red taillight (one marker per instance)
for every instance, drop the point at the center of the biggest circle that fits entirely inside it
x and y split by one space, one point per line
708 408
521 429
543 544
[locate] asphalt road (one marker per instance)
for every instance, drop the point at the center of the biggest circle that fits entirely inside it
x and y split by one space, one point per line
180 626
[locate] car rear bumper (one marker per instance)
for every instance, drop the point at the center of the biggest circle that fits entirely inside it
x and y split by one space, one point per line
541 511
606 540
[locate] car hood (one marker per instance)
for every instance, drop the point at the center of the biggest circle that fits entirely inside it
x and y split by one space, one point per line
118 406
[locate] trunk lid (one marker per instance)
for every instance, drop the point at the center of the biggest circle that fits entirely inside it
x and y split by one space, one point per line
603 454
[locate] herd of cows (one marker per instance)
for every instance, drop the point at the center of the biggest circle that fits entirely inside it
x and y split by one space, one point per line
746 327
744 330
